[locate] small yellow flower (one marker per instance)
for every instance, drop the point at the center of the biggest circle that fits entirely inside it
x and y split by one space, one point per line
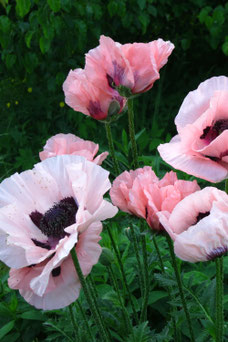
29 89
16 102
8 105
61 104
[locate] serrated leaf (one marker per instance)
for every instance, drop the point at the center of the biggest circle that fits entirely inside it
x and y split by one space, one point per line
6 328
23 7
54 5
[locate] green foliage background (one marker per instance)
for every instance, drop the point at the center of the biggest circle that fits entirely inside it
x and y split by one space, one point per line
40 42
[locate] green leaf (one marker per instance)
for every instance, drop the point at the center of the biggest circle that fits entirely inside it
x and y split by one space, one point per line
141 4
54 5
112 8
6 328
225 48
5 24
10 61
44 44
185 43
23 7
33 315
204 13
28 38
144 20
156 295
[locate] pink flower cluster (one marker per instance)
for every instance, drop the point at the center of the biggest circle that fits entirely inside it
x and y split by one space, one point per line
196 220
141 193
94 90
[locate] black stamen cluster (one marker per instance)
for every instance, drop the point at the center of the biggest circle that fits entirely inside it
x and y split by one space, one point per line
212 132
57 218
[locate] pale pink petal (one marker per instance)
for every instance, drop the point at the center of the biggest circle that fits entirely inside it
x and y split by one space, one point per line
197 101
176 155
71 144
185 213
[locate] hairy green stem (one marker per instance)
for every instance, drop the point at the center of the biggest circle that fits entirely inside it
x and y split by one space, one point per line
94 309
219 321
125 314
168 290
73 323
88 330
131 127
136 249
226 186
111 148
158 253
180 287
143 316
123 273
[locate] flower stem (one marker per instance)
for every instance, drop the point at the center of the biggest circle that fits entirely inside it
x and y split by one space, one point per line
88 330
136 250
94 309
226 186
143 316
125 315
111 147
132 132
168 290
219 322
73 323
158 253
180 287
123 273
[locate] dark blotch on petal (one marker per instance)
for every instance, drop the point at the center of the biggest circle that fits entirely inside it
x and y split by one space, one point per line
201 216
56 271
110 81
41 244
36 217
217 252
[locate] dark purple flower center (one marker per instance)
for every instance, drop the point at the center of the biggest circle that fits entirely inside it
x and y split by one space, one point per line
212 132
55 220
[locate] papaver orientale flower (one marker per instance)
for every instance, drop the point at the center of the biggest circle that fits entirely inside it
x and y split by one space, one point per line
87 98
44 213
201 146
141 193
199 225
71 144
135 66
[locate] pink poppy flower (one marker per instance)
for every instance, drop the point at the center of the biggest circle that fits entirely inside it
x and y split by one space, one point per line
135 66
44 212
85 97
201 147
141 193
71 144
146 60
198 225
